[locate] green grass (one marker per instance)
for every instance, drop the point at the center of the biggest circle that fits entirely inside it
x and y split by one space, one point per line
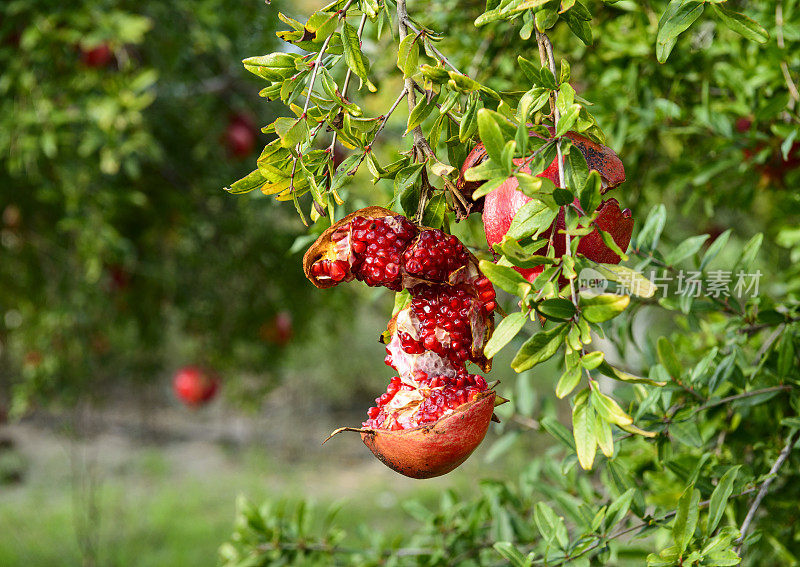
158 509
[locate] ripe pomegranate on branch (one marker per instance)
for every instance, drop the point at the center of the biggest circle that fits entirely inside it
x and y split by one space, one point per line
499 207
435 413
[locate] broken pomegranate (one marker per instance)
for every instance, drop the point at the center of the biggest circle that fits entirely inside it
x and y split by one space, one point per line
499 207
434 413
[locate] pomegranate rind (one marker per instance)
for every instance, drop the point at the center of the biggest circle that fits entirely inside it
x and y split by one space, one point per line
437 448
324 248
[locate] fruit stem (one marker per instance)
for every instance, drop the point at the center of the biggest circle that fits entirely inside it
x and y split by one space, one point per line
547 60
422 149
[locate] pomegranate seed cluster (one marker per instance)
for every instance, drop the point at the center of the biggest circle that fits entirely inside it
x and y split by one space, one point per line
444 315
435 255
433 399
377 246
444 326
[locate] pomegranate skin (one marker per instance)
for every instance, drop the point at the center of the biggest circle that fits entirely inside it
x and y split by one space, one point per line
193 386
435 449
616 222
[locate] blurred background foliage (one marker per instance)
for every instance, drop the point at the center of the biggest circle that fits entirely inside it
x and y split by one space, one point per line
121 257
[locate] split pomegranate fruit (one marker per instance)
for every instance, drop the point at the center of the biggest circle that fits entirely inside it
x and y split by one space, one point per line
499 207
194 386
434 413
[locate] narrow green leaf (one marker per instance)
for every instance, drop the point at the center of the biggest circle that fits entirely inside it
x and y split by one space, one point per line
687 248
568 381
353 56
715 248
677 18
668 358
491 134
557 309
719 498
539 347
506 278
741 24
609 409
505 331
686 519
583 418
603 307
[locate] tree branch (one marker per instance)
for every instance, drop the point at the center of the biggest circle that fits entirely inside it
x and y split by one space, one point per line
547 60
422 148
773 472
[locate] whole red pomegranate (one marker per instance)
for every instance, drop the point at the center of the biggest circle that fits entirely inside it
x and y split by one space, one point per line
194 386
240 136
97 57
500 206
434 413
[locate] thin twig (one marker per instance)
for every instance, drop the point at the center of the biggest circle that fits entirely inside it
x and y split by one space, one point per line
547 59
743 395
389 113
773 472
311 81
421 149
346 84
784 66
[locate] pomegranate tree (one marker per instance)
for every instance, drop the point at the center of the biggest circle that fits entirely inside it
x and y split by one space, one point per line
434 413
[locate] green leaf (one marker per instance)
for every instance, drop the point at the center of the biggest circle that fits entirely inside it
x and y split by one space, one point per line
741 24
750 251
617 374
592 360
609 241
506 278
568 381
687 248
686 432
491 134
539 347
715 248
603 307
676 19
618 509
604 435
505 331
668 358
353 56
550 525
653 226
419 113
558 431
590 193
533 218
686 519
583 418
609 409
253 180
557 309
568 121
511 553
408 56
719 498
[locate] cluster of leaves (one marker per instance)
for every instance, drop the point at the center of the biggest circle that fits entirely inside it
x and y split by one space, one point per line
714 396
